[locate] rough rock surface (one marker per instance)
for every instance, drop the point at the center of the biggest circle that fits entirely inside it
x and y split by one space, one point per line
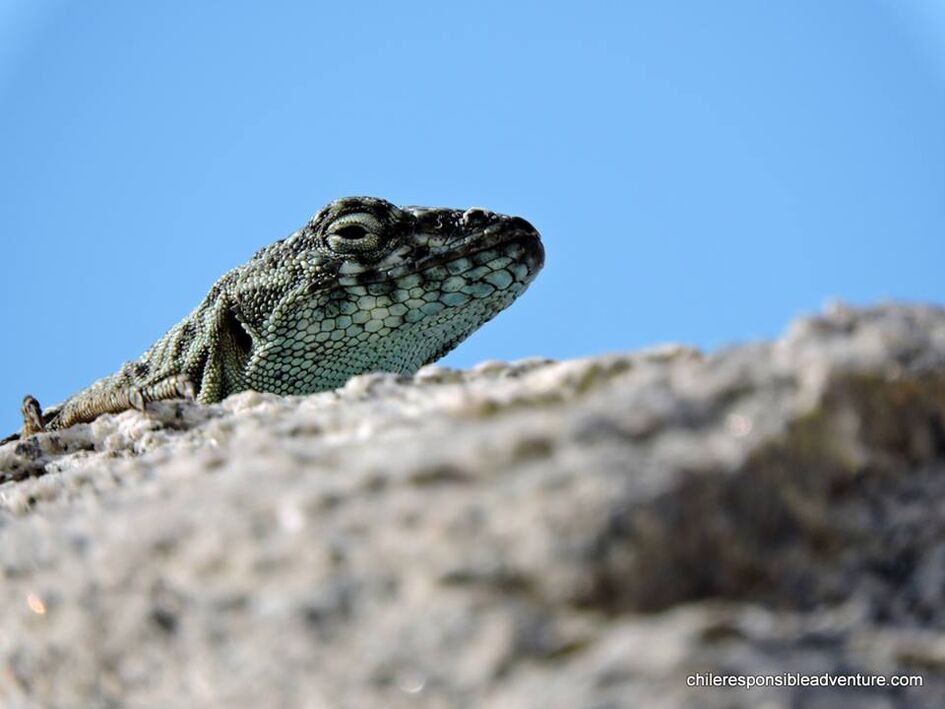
584 533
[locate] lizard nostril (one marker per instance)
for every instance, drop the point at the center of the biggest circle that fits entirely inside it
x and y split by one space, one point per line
475 216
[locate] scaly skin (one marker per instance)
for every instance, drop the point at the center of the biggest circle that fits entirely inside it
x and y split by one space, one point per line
364 286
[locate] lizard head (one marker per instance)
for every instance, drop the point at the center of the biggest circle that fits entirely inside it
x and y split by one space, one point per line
370 240
367 286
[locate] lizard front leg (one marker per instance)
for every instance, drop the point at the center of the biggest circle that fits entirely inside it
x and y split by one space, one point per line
106 399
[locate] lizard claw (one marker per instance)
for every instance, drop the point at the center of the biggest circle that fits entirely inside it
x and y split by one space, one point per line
185 388
32 416
136 398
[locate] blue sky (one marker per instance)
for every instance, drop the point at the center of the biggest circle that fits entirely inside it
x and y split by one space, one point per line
701 172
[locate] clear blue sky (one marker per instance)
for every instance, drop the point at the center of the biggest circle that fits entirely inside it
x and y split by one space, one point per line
701 172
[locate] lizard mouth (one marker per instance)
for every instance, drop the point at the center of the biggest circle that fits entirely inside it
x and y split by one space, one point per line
519 245
521 248
525 246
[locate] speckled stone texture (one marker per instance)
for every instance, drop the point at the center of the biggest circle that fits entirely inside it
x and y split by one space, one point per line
584 533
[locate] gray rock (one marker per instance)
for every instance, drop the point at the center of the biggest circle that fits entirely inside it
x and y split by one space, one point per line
602 532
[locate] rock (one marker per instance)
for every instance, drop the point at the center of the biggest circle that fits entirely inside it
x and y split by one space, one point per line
604 532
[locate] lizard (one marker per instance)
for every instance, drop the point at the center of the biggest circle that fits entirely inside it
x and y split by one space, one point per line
364 286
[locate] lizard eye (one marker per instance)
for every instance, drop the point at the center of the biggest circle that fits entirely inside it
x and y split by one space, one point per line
356 232
351 231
